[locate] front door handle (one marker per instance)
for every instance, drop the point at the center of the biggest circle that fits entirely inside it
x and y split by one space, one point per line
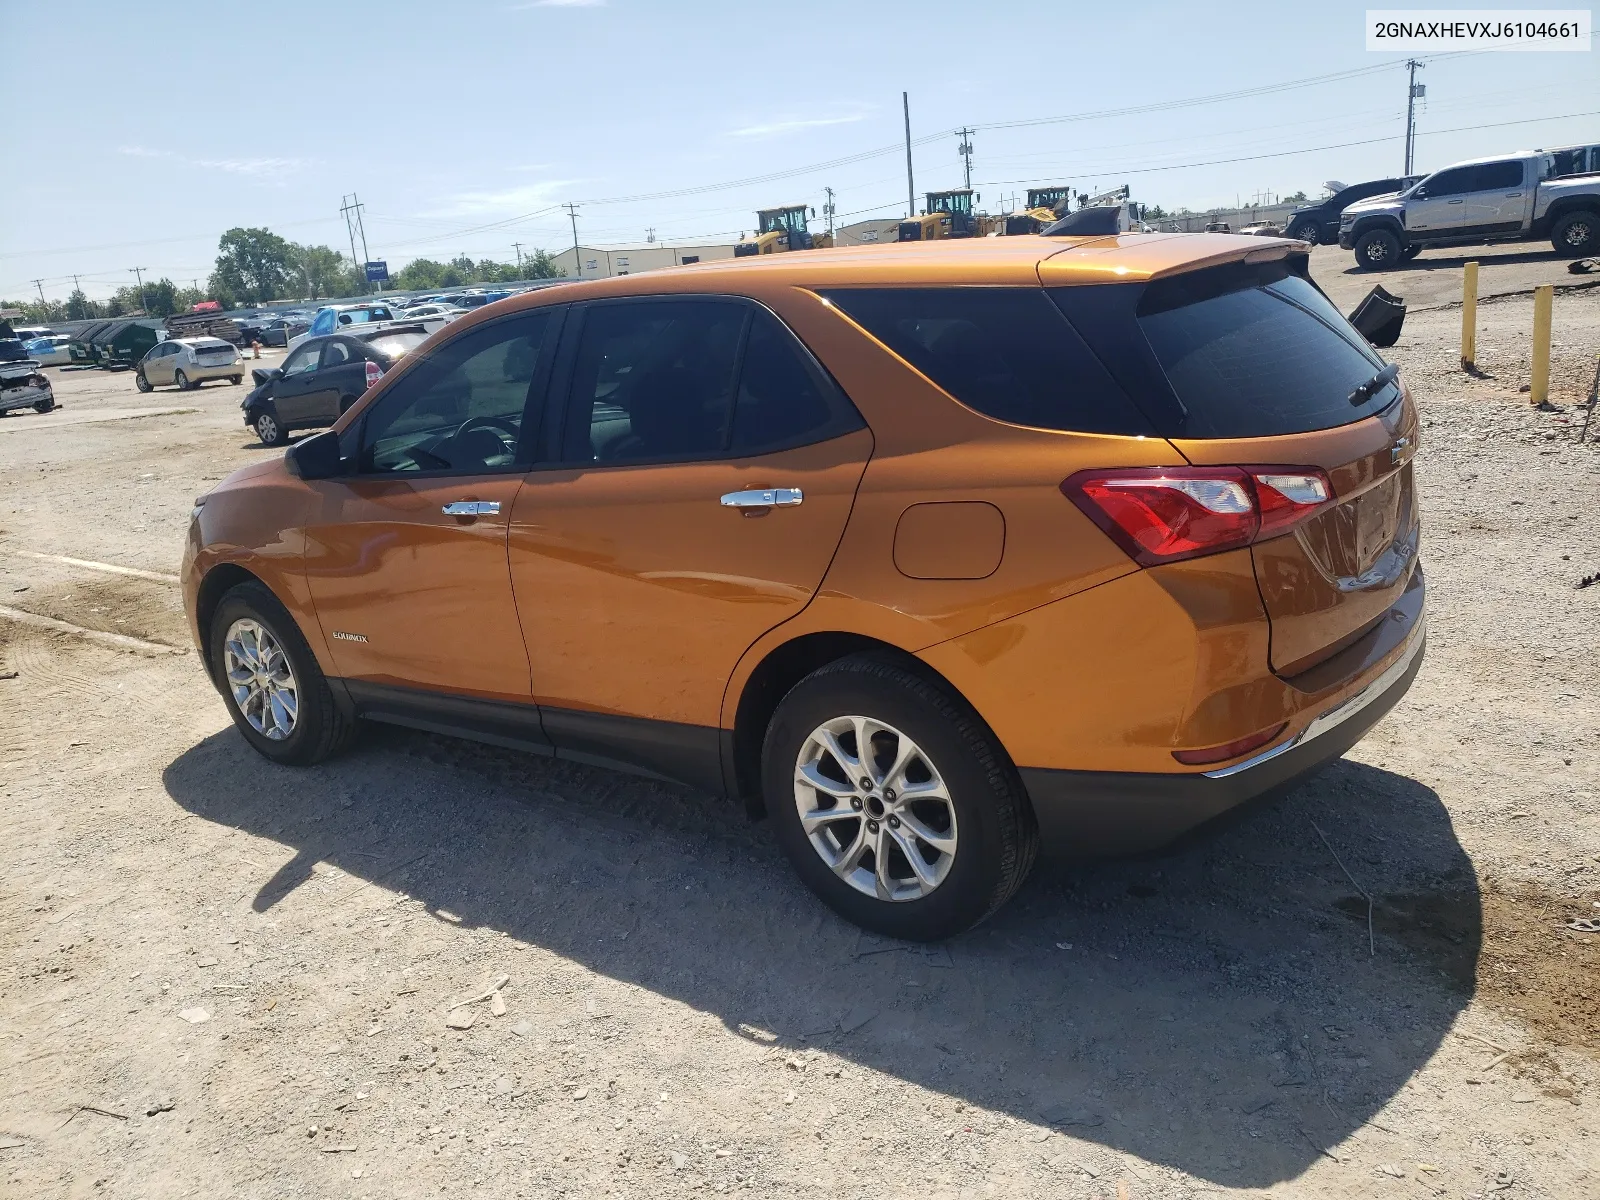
764 498
1457 201
471 508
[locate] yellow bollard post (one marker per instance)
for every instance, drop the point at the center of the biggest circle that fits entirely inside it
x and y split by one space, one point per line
1543 297
1469 317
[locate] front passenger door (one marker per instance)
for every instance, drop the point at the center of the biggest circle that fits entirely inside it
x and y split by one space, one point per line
1444 206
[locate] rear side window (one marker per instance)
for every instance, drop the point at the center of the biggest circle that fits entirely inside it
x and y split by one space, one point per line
1256 352
782 401
1006 352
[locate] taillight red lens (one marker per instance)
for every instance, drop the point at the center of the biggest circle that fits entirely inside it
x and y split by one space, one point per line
374 372
1165 514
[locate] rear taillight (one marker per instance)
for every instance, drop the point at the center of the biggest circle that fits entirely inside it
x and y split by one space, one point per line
374 373
1164 514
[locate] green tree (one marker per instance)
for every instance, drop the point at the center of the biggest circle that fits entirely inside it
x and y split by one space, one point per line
253 266
161 298
1298 198
186 298
79 306
324 272
539 265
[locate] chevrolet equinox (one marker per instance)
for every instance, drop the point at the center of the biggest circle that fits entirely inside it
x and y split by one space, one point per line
936 554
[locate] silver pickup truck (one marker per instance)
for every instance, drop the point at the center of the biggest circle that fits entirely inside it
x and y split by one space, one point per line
1512 198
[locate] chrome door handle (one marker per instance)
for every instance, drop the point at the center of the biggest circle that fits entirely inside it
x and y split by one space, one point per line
764 498
1513 195
1456 202
471 508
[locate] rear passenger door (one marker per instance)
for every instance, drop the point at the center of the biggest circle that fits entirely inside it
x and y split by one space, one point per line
341 373
704 468
1498 200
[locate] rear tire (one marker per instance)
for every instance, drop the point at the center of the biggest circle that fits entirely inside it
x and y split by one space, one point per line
1377 251
235 379
256 650
972 828
269 430
182 380
1577 234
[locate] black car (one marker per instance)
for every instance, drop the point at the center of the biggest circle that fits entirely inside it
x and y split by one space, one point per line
322 377
1319 223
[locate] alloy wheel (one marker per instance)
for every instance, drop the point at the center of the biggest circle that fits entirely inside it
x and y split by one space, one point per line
261 680
1578 235
875 808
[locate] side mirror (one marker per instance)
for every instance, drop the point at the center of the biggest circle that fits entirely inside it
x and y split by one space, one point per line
316 457
1421 193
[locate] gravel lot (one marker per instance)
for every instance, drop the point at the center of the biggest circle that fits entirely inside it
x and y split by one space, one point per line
220 977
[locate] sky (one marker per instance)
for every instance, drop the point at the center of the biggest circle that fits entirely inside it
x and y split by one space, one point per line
135 139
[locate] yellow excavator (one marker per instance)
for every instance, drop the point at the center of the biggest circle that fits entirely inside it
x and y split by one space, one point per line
779 230
947 215
1045 206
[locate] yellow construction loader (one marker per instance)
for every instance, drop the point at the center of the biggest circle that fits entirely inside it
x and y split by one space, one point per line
779 230
948 215
1045 206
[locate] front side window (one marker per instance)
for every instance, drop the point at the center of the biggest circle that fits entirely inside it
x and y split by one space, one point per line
654 380
302 361
462 409
1454 182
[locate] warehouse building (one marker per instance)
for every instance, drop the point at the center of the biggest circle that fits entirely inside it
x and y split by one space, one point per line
602 262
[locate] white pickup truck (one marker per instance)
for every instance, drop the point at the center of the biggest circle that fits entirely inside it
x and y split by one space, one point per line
1512 198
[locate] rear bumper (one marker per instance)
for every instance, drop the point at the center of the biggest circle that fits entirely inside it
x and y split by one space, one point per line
1093 813
23 397
214 371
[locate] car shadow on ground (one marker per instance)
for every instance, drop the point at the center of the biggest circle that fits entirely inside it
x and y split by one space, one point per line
1476 254
1217 1009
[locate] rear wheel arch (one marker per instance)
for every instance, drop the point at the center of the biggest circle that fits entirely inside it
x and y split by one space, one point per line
786 665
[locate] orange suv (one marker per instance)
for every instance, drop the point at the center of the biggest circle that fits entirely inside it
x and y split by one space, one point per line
933 553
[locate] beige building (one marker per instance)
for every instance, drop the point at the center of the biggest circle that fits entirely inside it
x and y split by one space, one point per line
602 262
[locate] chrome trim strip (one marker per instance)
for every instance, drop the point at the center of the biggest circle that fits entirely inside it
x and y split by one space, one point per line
1339 713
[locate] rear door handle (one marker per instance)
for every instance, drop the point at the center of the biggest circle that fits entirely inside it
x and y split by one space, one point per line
471 508
1457 201
764 498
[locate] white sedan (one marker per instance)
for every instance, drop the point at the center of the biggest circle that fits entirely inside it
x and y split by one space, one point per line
188 362
50 350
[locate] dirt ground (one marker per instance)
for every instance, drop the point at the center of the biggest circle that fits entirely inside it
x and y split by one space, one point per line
222 977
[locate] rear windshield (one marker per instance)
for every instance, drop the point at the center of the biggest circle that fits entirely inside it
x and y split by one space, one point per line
1256 351
396 345
1005 352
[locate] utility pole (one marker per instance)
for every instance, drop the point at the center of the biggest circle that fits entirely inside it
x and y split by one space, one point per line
828 209
650 236
137 273
1414 92
577 255
518 247
39 283
911 187
965 150
344 211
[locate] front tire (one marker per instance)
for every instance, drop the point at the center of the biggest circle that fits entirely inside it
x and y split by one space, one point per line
893 801
1308 231
269 430
1378 250
140 382
44 406
276 693
235 379
1577 234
